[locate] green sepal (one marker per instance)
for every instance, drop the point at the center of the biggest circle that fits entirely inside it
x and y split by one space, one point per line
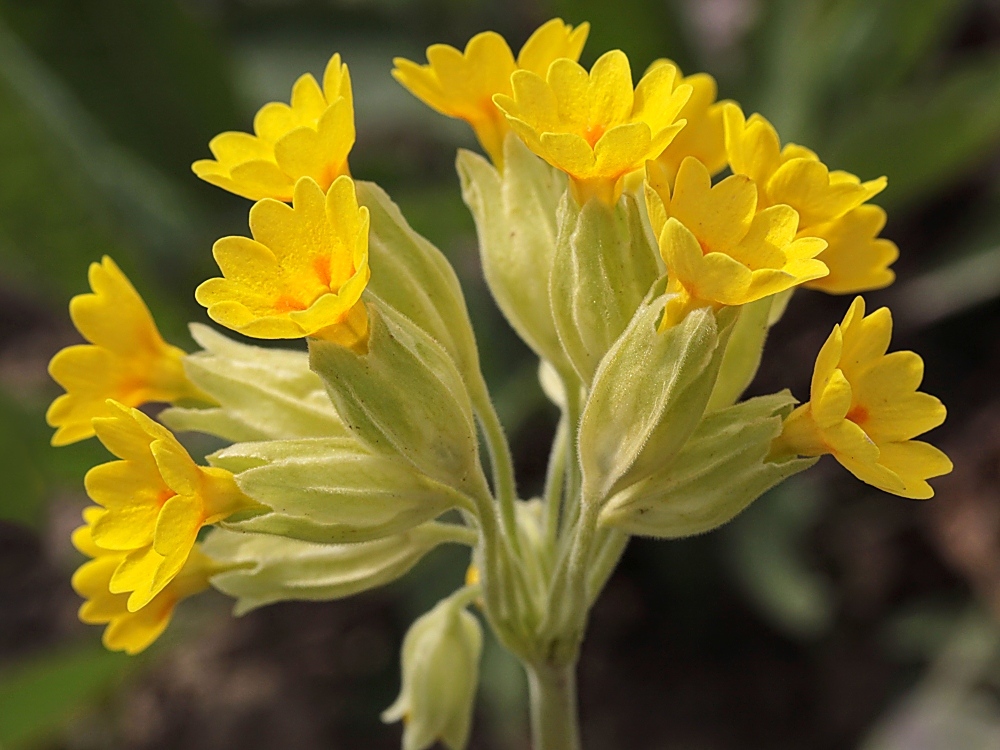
440 666
331 490
722 468
648 396
515 216
263 568
404 397
602 269
414 277
262 394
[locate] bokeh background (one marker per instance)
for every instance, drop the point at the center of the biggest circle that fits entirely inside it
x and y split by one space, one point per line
828 616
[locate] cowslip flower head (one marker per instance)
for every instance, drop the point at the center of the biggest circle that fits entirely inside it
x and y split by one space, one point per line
303 272
128 631
857 257
792 175
462 84
704 136
310 137
720 250
594 126
155 500
865 410
126 360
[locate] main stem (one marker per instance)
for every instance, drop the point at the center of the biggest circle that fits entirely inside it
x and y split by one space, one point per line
554 722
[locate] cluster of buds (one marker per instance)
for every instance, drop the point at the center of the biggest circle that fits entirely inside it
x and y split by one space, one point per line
645 281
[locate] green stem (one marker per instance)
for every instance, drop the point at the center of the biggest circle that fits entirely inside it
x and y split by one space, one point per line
554 722
610 549
500 460
555 481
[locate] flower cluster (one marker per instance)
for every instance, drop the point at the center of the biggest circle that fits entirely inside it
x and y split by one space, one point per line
644 278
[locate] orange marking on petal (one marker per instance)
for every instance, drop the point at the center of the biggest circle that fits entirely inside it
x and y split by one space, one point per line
321 266
593 134
705 249
858 414
287 303
164 495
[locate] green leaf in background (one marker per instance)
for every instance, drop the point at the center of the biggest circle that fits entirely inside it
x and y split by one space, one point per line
39 695
23 449
766 552
926 136
157 83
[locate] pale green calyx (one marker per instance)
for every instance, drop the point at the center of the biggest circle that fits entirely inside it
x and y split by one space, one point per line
262 394
440 665
515 217
721 469
260 569
404 397
602 269
332 490
648 396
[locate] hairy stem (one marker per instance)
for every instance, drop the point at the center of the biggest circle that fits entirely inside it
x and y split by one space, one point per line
554 721
501 461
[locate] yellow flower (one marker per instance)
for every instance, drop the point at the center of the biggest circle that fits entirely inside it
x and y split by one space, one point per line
704 136
718 249
462 84
829 203
155 499
126 360
126 630
302 274
312 137
865 410
594 127
793 175
857 257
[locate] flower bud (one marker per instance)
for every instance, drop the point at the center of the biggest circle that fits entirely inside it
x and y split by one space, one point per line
721 469
648 396
262 394
515 217
404 397
440 674
415 278
602 269
331 490
260 569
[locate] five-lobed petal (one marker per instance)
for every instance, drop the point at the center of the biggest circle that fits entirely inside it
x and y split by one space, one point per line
127 630
155 500
462 84
126 360
594 126
303 272
865 410
719 249
310 137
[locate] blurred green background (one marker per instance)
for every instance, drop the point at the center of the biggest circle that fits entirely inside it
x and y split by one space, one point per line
828 616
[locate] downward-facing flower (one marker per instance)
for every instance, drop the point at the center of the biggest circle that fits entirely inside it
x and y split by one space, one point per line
126 359
792 175
311 137
595 127
865 410
130 631
829 203
857 257
718 248
704 136
155 500
303 272
462 84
